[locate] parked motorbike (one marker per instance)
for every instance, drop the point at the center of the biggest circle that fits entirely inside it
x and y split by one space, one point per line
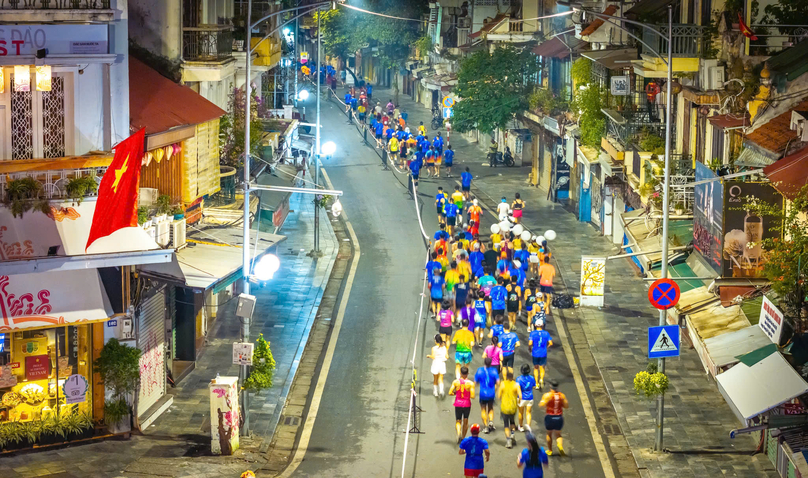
499 158
437 120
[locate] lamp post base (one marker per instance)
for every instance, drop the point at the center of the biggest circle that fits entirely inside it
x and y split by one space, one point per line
314 253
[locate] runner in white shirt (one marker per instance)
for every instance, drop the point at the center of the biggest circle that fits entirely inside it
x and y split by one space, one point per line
503 209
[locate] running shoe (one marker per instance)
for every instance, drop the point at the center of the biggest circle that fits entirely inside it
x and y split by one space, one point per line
491 426
549 452
560 449
521 428
486 430
509 443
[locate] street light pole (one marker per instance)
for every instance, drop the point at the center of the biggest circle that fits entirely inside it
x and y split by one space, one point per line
665 217
316 251
245 249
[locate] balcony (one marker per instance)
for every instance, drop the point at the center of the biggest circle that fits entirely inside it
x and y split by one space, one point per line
688 41
627 127
207 43
51 177
39 11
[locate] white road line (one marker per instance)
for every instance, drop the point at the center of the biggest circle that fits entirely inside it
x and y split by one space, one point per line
605 462
305 435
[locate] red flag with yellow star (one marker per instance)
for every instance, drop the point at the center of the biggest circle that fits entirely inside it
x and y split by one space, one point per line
116 207
747 32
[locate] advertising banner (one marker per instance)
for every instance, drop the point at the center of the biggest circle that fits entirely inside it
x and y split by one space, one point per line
742 253
771 320
593 278
708 221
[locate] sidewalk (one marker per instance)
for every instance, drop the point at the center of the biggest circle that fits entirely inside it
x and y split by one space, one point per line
613 341
178 443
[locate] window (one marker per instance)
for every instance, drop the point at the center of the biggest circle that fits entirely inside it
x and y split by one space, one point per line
718 144
39 122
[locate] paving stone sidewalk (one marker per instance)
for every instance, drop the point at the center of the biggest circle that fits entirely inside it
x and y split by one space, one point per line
697 419
178 443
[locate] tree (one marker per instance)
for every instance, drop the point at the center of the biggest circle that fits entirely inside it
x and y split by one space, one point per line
587 102
231 128
493 87
787 256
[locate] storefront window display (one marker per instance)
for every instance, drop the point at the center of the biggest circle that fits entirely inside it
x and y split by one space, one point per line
45 373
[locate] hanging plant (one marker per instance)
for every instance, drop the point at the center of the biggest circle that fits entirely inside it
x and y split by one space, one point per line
650 382
25 194
78 188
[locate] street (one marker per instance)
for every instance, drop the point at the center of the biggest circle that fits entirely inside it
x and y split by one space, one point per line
359 427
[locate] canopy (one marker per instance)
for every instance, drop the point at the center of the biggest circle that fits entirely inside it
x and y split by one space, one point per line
558 48
789 174
56 298
755 388
612 59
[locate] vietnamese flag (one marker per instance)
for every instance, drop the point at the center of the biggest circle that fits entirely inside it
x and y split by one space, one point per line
747 32
116 207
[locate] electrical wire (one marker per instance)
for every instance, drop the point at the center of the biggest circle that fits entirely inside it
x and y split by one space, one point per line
382 14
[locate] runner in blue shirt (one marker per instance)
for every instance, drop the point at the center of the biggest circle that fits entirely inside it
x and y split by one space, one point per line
481 316
379 130
532 459
448 158
440 202
465 183
415 169
486 282
436 284
509 341
451 212
487 377
354 104
370 91
539 340
526 383
476 259
498 295
474 448
389 134
497 329
437 142
432 265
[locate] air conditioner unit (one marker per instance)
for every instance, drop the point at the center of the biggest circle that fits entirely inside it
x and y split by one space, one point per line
177 234
162 233
711 75
798 121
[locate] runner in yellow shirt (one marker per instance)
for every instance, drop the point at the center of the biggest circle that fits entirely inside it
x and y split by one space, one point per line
463 341
509 395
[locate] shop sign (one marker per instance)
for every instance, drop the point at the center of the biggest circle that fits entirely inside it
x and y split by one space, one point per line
771 320
75 389
621 86
17 40
744 231
793 409
37 367
242 353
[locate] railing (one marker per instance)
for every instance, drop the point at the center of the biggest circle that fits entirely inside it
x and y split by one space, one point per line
634 124
54 4
54 183
207 43
773 39
688 40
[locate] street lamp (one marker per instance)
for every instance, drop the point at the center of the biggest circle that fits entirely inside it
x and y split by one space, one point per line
303 95
329 148
666 183
266 267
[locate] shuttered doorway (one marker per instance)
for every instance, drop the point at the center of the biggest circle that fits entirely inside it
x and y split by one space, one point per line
151 341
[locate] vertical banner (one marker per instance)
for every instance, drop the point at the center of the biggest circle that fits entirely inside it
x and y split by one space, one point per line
224 415
708 217
593 278
771 320
742 252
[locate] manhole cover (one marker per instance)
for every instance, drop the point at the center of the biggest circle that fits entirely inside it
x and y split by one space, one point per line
291 421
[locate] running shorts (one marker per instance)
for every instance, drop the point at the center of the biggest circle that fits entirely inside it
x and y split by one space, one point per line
378 136
507 360
472 473
437 300
525 403
513 307
451 220
462 412
445 330
440 211
463 357
553 422
480 324
541 361
466 189
486 402
497 312
460 304
546 289
508 419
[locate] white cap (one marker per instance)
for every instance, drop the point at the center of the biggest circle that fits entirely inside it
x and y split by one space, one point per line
540 323
474 201
476 245
517 264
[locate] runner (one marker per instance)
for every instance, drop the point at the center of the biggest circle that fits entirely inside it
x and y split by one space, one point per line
439 356
530 302
526 383
487 377
486 283
509 342
474 448
390 107
429 154
539 340
475 211
438 159
498 296
449 158
392 147
445 322
461 299
494 352
451 211
480 316
514 301
546 274
457 198
463 341
463 391
476 259
415 169
465 181
518 206
509 394
402 152
378 128
532 458
555 403
503 209
533 250
436 285
451 278
497 329
421 129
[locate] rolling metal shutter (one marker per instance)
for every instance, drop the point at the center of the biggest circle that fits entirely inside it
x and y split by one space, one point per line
151 341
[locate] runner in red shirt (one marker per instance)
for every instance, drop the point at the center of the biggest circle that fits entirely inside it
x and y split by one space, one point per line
554 402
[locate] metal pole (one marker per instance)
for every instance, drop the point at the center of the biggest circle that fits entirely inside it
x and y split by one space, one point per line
293 65
665 216
245 266
317 140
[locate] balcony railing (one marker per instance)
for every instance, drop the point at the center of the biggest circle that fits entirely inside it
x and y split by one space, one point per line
207 43
54 5
54 182
688 40
629 126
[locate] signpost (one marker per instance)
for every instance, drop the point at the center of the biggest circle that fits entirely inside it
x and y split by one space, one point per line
663 341
242 353
447 113
664 294
448 102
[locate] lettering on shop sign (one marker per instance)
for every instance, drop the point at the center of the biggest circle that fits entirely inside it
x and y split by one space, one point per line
37 367
16 40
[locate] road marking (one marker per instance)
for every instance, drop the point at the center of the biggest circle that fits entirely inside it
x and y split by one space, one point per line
603 455
305 435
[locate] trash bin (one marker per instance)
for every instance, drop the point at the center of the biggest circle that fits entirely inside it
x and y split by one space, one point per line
224 415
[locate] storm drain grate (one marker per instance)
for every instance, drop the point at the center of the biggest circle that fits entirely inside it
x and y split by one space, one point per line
291 421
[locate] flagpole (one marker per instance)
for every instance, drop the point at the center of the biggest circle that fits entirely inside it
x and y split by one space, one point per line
245 272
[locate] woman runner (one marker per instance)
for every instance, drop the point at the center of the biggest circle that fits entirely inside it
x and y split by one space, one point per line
518 205
439 356
445 319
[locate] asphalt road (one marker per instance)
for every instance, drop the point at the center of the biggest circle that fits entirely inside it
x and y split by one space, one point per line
358 431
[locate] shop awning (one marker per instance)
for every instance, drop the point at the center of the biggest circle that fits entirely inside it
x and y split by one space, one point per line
728 121
598 21
557 47
210 259
761 381
612 59
790 174
29 301
159 105
724 349
751 158
645 7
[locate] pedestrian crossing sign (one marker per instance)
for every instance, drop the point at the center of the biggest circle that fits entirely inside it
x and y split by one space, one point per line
663 341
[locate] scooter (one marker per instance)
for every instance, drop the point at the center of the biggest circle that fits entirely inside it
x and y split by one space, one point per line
437 120
498 158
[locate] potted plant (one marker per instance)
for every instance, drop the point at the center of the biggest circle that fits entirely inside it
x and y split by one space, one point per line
679 207
178 212
53 431
77 426
23 194
119 366
143 217
78 188
163 207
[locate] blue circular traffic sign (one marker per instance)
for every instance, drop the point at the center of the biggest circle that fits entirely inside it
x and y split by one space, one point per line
448 102
664 293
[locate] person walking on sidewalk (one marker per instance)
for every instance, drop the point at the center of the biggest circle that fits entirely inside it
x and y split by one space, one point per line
487 377
539 340
463 341
532 459
518 205
526 384
463 391
546 275
509 394
474 448
465 182
554 402
448 157
439 356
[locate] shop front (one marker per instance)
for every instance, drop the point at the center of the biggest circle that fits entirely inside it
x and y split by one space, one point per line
50 332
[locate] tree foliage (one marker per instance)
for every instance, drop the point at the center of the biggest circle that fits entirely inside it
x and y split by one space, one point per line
494 87
587 102
232 128
784 12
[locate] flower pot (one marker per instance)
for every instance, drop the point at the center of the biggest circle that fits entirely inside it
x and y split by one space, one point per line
84 434
679 211
177 217
146 224
160 218
122 426
50 439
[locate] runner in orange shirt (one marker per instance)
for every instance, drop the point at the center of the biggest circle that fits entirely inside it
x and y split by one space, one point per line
546 275
554 402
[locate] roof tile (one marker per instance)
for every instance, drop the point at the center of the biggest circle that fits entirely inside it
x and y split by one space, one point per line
775 135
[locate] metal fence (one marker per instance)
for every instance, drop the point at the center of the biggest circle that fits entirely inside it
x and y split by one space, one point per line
688 40
207 43
54 4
